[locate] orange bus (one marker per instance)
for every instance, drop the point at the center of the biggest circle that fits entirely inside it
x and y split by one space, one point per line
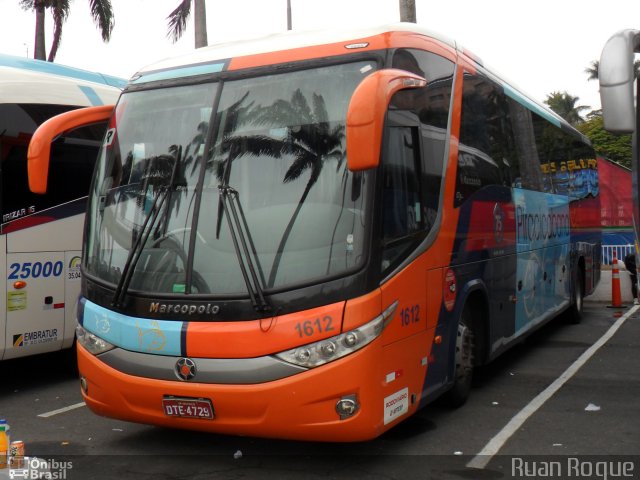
313 235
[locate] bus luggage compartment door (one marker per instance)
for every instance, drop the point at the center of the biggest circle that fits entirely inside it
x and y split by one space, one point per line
35 303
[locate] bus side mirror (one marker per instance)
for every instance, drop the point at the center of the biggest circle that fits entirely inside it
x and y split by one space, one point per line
40 144
366 114
616 75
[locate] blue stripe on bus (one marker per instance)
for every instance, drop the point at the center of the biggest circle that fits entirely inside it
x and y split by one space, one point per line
524 101
159 337
179 72
91 94
62 70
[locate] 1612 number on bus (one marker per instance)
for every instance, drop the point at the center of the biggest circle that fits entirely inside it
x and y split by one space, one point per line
317 326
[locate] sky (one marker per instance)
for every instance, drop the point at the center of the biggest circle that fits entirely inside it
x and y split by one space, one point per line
540 46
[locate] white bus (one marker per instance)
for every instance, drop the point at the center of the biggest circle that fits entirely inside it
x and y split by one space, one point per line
41 235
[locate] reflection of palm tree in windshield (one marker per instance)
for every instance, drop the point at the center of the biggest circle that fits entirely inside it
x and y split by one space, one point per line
169 171
310 140
231 119
156 174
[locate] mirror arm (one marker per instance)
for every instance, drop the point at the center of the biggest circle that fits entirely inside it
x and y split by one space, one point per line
367 111
40 144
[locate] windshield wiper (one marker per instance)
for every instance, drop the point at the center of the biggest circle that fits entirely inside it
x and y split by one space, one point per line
138 246
239 230
145 231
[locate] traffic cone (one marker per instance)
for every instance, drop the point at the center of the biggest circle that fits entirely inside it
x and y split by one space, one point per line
616 296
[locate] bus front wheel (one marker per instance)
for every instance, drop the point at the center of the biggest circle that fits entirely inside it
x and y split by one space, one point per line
463 375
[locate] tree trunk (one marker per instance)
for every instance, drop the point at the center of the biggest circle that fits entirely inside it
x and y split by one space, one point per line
408 11
200 23
289 24
39 50
57 35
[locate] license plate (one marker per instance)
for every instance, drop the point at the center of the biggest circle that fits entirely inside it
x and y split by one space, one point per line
201 408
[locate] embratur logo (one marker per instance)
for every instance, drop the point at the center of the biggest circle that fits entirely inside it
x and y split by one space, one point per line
18 340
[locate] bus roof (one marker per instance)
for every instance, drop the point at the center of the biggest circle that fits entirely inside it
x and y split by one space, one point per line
280 42
215 58
61 70
34 81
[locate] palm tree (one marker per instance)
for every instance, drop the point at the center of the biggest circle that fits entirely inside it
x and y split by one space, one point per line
60 10
565 105
593 70
178 21
101 11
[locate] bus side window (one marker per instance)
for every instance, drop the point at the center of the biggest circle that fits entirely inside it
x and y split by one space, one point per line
73 157
487 147
15 191
402 206
526 171
431 104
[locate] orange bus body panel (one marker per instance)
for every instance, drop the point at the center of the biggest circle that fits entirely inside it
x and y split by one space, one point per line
377 42
361 310
297 407
262 337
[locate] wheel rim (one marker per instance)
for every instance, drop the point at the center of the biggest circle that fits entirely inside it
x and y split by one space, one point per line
464 352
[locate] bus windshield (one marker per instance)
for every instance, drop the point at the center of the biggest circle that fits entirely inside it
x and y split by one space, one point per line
188 200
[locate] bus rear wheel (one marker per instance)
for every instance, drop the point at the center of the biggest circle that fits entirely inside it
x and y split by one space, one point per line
463 374
575 311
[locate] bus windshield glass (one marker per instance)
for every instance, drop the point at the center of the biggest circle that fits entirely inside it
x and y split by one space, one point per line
173 174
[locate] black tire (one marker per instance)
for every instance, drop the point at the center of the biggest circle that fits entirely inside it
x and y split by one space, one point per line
464 358
577 304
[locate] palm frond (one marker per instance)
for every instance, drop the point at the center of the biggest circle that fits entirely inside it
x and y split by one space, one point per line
593 70
27 4
298 167
60 9
102 13
300 104
178 20
320 109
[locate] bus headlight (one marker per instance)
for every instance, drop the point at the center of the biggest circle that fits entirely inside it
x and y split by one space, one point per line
333 348
94 344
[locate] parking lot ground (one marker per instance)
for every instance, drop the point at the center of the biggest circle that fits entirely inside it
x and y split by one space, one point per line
593 416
